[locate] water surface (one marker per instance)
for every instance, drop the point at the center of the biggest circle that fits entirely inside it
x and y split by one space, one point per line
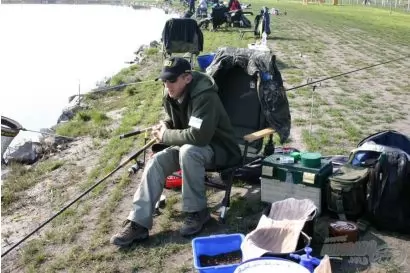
49 52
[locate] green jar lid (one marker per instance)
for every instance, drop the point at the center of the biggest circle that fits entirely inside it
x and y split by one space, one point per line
295 155
311 160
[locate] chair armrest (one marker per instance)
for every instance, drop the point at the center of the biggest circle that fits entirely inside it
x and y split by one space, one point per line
258 134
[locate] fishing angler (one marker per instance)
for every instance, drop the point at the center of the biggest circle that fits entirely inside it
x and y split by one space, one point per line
199 136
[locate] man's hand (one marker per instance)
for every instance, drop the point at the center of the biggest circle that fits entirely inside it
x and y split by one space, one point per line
158 131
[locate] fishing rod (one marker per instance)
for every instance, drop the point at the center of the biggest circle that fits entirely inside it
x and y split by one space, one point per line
345 73
50 134
136 154
103 89
136 132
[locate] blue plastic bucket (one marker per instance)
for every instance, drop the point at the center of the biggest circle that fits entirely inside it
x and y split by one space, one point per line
205 60
215 245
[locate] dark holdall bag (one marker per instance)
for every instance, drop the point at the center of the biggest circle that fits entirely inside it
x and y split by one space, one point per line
388 193
346 191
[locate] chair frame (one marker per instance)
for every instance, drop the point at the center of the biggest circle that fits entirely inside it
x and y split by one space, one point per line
227 174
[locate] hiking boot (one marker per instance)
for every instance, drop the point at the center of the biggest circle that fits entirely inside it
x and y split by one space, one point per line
194 222
130 233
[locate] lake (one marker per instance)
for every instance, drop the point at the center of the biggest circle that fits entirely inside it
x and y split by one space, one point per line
50 52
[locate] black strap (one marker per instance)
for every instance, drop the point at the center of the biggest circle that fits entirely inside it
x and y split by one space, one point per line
381 178
339 205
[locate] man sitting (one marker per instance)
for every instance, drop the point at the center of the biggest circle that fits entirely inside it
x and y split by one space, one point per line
200 136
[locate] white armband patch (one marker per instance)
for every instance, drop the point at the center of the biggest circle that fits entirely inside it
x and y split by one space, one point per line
195 122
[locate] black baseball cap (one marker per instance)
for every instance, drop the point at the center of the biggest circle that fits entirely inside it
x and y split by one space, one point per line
173 68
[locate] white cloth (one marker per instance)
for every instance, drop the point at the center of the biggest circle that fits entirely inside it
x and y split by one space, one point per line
279 231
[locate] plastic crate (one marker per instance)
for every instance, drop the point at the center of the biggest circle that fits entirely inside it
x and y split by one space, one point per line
215 245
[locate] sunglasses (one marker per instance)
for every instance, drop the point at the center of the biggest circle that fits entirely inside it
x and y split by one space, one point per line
171 80
176 79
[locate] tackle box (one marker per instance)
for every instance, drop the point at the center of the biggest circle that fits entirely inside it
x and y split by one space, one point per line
283 178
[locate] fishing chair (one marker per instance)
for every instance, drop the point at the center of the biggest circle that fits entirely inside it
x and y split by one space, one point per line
238 94
182 35
219 15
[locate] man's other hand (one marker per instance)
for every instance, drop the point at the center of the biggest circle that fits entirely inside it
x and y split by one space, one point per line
158 131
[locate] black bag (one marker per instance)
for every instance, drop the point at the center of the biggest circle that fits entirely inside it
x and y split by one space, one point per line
250 173
346 192
388 193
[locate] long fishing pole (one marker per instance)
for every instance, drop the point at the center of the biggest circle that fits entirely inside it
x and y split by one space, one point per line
50 134
151 142
104 89
342 74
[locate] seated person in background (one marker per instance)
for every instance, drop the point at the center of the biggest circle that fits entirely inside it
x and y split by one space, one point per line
200 136
234 5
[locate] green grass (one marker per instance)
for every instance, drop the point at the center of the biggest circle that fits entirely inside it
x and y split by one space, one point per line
86 122
22 178
373 22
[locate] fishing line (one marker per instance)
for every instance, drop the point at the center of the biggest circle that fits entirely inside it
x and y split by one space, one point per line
146 146
311 82
346 73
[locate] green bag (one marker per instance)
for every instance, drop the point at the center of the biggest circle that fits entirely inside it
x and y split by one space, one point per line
346 192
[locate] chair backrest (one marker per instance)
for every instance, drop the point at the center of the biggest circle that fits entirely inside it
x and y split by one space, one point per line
219 15
239 96
182 35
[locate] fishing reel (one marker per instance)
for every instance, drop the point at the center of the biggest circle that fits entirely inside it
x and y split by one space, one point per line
139 163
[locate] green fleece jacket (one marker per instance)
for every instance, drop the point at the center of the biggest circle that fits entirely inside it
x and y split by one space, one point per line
200 119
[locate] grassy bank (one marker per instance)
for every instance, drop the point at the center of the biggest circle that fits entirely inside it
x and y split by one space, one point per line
310 42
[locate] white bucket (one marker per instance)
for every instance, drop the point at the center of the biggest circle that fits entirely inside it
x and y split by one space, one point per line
269 265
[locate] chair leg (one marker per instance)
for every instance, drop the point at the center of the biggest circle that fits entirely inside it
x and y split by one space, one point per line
227 198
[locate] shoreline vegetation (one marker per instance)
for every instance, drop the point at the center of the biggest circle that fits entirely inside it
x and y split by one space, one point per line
311 42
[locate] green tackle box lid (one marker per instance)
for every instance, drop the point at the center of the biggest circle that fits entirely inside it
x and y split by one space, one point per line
311 160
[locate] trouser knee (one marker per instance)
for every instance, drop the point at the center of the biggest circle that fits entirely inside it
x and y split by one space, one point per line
188 153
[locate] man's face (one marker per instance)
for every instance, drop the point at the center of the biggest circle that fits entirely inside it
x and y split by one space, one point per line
176 87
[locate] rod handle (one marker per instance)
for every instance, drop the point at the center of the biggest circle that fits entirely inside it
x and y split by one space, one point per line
136 132
130 134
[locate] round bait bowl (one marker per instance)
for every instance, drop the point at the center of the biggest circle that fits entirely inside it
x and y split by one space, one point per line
268 265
